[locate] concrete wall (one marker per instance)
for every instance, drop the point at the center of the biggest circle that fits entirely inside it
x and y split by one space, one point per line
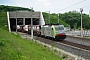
24 14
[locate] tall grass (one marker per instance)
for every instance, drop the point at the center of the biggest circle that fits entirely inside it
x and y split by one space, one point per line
12 47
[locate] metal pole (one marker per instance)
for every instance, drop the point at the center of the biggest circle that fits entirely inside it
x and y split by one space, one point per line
24 20
81 26
80 58
16 21
31 24
81 10
58 18
49 17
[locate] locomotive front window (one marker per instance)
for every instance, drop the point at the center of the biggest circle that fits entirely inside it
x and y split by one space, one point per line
59 28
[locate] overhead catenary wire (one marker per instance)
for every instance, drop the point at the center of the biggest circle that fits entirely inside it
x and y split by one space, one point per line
72 5
86 6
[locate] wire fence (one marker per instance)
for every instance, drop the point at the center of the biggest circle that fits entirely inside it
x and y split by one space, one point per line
86 33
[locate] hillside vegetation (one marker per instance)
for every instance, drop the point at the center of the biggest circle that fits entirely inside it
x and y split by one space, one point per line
13 8
12 47
3 19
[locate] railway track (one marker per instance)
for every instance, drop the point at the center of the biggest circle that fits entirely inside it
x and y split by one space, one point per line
76 45
49 41
74 48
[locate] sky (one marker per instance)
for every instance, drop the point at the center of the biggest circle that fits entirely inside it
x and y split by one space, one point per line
54 6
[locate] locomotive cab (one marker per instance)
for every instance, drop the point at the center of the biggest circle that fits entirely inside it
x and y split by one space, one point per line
60 32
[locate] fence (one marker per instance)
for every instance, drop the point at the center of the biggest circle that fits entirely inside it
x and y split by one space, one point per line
86 33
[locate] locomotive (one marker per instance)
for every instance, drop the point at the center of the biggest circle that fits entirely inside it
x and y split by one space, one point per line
50 31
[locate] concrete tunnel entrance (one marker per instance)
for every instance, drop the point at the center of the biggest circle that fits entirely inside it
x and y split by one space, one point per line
20 22
21 18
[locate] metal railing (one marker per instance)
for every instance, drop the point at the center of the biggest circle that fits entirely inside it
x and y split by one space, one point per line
86 33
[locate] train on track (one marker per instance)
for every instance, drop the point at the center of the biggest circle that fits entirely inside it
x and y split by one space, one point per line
49 31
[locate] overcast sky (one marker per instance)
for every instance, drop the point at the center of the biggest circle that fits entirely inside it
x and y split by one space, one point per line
54 6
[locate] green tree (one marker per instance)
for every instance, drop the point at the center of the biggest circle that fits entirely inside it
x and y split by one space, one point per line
53 19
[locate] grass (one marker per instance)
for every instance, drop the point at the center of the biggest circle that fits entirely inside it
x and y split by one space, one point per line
12 47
